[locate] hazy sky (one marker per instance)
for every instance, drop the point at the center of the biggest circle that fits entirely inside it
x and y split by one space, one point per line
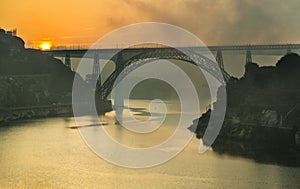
67 22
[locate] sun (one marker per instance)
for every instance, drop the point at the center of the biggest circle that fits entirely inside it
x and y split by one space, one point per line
45 46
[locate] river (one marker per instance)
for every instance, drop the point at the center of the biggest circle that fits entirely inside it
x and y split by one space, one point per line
50 153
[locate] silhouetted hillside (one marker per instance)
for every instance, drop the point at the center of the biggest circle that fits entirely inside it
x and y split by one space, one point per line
29 77
263 114
265 96
275 88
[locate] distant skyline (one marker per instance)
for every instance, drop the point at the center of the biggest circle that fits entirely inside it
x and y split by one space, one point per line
219 22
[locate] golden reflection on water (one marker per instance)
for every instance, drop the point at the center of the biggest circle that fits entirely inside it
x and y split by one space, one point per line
140 111
47 153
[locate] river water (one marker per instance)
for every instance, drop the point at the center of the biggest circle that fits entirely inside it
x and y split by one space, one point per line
50 153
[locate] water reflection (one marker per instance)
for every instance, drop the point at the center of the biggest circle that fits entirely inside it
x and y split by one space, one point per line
262 152
89 125
46 153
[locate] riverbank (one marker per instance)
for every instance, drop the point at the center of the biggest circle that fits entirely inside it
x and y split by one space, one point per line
20 113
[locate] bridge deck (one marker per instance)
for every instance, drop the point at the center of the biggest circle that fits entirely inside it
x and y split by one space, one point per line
201 48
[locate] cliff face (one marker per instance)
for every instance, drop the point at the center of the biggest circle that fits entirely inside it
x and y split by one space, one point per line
264 96
29 78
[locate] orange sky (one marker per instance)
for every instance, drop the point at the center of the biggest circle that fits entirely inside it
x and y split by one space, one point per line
77 22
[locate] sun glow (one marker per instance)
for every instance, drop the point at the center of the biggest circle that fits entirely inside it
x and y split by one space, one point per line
45 46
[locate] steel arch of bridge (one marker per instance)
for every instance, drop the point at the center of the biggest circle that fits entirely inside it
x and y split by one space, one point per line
144 57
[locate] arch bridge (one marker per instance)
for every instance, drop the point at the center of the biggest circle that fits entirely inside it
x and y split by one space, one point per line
127 60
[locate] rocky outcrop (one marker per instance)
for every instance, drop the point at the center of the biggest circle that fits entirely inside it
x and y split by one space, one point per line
263 105
263 114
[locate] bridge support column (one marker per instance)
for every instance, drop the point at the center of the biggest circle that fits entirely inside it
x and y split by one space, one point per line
96 69
219 59
119 103
248 56
288 51
68 60
118 92
96 78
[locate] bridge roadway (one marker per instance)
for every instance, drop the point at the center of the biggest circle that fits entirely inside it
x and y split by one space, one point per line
81 52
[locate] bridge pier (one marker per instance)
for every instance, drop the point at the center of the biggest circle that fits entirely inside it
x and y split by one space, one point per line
289 50
68 60
118 103
96 66
118 91
248 56
219 59
96 69
96 77
102 105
